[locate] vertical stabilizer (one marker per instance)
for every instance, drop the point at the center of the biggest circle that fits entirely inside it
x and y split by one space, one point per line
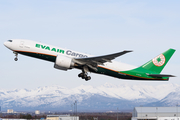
158 63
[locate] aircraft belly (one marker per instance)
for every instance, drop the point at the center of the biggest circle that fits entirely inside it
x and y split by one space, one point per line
106 71
117 74
50 58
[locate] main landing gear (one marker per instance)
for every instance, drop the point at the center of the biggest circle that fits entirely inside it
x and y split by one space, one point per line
84 76
16 54
84 73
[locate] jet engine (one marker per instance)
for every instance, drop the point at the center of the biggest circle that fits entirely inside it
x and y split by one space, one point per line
63 63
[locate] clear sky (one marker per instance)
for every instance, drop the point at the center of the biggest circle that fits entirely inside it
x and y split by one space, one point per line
96 27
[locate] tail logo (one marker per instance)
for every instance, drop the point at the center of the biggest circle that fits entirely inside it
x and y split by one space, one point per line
159 60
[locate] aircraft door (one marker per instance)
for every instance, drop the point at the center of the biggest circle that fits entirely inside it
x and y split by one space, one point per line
21 44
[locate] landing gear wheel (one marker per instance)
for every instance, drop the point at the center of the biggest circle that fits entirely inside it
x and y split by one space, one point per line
84 76
80 75
16 59
87 78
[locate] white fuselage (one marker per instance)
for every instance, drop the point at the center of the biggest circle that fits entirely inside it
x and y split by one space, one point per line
29 46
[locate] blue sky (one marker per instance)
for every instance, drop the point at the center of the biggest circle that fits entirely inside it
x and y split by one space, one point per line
95 27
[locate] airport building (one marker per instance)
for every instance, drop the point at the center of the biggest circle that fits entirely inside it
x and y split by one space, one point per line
62 117
10 111
156 113
37 112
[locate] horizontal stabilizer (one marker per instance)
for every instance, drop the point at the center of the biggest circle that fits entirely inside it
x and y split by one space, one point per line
160 75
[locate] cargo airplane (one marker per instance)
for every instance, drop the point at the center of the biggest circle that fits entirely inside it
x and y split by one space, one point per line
65 59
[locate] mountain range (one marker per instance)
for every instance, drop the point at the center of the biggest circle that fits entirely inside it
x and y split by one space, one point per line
107 97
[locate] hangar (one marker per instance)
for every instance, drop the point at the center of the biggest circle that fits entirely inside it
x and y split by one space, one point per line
156 113
62 117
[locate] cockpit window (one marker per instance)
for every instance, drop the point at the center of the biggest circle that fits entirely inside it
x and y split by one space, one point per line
9 40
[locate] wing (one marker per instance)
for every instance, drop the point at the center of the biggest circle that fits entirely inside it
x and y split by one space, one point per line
92 62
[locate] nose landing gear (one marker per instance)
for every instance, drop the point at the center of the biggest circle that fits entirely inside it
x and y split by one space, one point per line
16 54
16 59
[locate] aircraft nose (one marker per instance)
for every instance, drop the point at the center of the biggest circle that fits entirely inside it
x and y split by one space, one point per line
5 44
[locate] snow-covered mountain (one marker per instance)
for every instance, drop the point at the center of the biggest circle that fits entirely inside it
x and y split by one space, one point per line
90 98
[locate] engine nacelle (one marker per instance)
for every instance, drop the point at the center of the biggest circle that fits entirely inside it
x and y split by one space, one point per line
63 63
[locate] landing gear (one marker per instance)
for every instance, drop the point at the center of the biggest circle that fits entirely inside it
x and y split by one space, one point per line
84 76
88 78
80 75
16 59
84 73
16 54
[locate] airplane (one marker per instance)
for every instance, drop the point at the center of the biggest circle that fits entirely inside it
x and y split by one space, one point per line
66 59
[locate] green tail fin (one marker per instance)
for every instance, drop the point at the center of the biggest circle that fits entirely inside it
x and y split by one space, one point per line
158 63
